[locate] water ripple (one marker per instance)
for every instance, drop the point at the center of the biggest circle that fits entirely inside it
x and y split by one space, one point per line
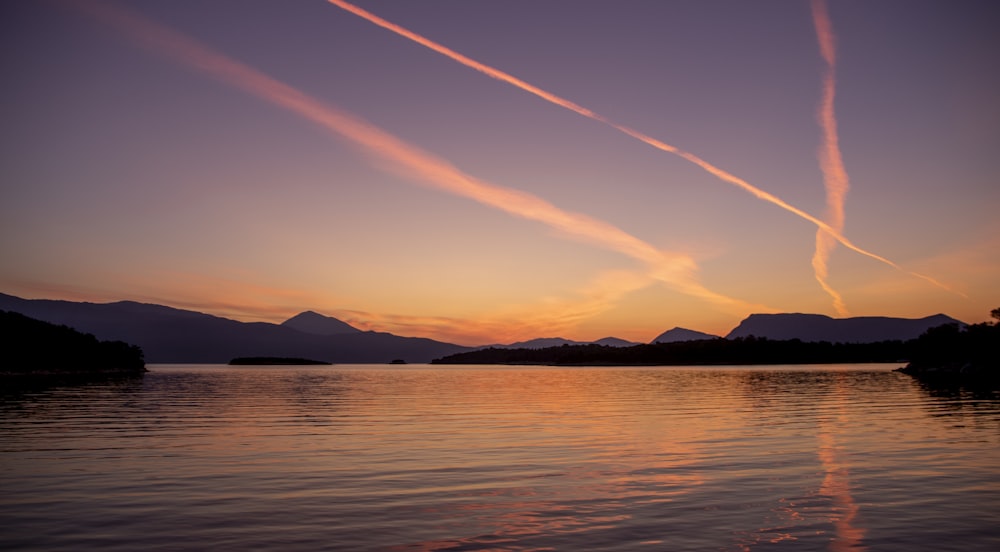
527 458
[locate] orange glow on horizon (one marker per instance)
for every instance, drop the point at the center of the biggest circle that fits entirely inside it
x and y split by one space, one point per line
231 297
549 317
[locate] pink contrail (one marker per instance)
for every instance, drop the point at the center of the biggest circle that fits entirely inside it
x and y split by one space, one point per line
562 102
677 270
830 159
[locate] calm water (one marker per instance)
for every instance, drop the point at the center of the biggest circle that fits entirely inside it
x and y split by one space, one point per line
471 458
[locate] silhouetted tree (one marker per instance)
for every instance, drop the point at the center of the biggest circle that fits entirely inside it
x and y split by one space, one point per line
744 350
970 354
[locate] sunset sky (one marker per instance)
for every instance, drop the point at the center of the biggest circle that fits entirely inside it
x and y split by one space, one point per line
624 168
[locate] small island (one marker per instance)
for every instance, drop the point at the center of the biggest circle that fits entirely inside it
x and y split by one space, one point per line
38 350
276 361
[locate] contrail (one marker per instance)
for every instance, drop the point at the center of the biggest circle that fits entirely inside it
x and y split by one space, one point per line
676 270
562 102
830 159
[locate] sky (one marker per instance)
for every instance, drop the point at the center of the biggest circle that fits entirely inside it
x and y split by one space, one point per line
493 171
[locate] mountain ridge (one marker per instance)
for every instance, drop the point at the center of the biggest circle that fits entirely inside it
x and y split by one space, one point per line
545 342
819 327
171 335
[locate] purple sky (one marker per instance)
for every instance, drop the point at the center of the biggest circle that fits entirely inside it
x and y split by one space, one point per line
128 174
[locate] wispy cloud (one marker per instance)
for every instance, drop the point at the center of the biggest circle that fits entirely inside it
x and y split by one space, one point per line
677 270
831 161
723 175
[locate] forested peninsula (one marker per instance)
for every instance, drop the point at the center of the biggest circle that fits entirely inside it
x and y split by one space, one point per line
743 350
951 351
33 348
953 354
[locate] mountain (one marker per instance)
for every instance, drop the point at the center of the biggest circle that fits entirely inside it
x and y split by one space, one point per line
682 334
614 342
817 327
539 343
546 342
314 323
169 335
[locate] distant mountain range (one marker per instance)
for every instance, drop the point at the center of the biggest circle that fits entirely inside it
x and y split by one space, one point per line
169 335
545 342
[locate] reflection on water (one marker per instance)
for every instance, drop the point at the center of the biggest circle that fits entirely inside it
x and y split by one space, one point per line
472 458
836 483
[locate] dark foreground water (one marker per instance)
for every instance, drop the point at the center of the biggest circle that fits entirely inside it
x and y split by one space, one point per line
471 458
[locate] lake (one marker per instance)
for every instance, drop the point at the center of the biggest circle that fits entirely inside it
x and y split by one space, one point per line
835 457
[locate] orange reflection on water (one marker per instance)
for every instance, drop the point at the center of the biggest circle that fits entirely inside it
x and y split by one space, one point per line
803 511
837 482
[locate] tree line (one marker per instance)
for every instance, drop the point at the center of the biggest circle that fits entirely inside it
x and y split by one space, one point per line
948 345
742 350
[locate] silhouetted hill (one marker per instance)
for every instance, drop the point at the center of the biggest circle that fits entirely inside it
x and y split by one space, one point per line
545 342
682 334
31 347
169 335
314 323
614 342
538 343
817 327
